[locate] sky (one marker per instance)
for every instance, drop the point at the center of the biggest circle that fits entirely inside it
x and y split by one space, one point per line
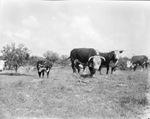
60 26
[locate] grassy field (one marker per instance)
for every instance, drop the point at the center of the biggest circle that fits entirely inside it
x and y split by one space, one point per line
64 96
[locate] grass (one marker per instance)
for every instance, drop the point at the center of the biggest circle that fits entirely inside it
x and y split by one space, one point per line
118 96
14 74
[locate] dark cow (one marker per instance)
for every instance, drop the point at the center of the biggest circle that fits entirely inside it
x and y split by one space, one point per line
44 66
139 60
87 57
111 58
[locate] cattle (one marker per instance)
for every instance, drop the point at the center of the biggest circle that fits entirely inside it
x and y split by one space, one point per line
79 65
44 66
110 57
94 63
86 57
139 60
2 65
130 65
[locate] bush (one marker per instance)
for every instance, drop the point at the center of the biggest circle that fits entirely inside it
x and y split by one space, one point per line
122 63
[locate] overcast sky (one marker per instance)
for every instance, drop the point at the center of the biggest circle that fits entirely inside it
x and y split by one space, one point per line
62 26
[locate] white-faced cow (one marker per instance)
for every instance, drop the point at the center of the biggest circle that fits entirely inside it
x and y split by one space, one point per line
139 60
111 57
85 57
2 65
44 66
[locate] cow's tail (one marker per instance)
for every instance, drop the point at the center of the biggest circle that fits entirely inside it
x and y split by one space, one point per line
67 58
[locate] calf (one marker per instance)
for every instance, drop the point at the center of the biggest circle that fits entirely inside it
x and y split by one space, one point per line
44 66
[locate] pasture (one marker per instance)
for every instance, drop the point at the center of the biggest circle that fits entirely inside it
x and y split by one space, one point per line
121 95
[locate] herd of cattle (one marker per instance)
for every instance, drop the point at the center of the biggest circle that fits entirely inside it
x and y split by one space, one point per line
93 59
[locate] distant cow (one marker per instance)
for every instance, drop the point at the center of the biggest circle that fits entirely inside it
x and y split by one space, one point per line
130 65
44 66
2 65
139 60
86 57
111 57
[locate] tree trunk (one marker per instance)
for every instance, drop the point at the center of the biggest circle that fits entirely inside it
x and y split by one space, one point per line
16 69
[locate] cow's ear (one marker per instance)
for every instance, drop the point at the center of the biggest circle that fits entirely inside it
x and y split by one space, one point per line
121 51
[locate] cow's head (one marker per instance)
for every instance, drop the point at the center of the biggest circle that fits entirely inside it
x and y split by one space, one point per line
117 53
95 61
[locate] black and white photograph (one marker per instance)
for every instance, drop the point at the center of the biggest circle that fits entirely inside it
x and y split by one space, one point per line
72 59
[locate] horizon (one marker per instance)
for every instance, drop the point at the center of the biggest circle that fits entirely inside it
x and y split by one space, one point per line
62 26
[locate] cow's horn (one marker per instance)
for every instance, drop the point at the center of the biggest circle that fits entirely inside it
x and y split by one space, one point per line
90 58
103 58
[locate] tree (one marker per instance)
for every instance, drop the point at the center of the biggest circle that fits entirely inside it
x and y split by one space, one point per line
51 56
33 60
63 60
15 56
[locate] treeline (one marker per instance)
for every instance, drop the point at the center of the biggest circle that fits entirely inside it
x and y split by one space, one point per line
20 55
16 56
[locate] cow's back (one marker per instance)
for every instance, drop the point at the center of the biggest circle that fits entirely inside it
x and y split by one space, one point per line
82 54
139 59
108 57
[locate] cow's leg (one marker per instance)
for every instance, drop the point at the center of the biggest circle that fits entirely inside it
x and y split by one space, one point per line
78 68
146 65
39 73
113 69
47 74
92 71
84 69
47 71
134 68
107 69
73 67
42 74
100 70
142 67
